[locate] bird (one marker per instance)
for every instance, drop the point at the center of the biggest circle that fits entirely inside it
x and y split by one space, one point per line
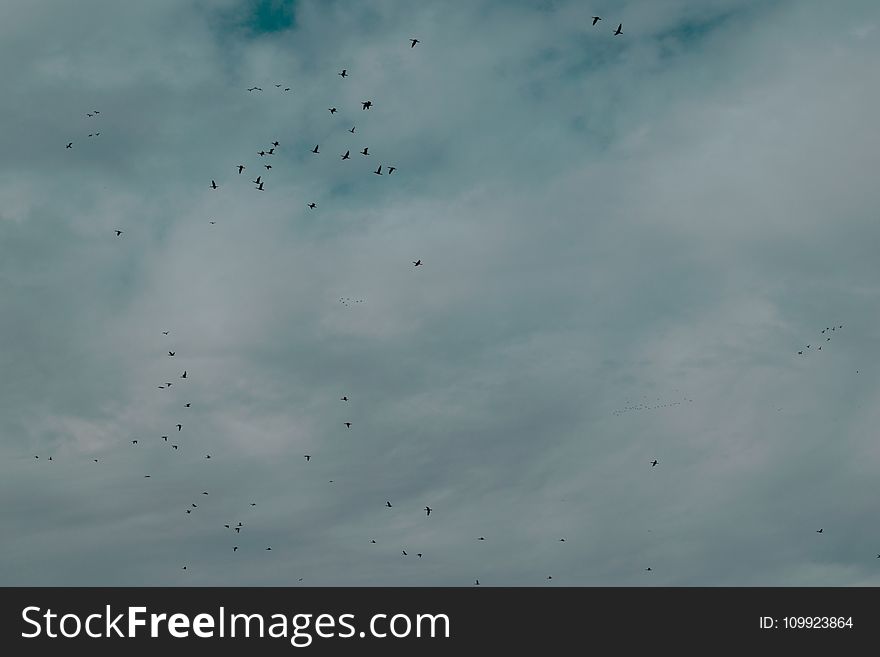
819 531
179 427
391 170
343 399
549 576
414 42
372 540
237 530
378 171
69 145
204 492
307 457
365 151
366 104
428 510
476 582
164 332
174 447
404 552
187 405
171 353
352 129
388 504
278 85
145 476
648 568
195 506
235 548
261 153
275 143
800 353
118 233
347 155
184 567
315 150
419 555
347 424
596 19
207 456
165 438
654 462
342 73
268 166
183 376
312 206
260 188
253 504
562 540
417 263
95 460
481 539
257 181
241 168
189 510
268 548
619 30
134 442
333 110
213 185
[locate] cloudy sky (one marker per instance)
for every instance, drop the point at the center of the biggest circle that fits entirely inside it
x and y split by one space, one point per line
626 241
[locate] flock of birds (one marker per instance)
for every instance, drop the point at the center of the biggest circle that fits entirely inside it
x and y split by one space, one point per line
236 527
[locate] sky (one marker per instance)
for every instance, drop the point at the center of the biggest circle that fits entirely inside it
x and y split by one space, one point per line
625 242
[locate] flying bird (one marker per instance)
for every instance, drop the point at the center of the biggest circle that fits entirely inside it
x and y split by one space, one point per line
388 504
417 263
69 145
378 171
134 442
275 143
481 539
342 73
819 531
241 168
428 510
347 424
235 548
307 457
414 42
312 206
596 19
164 332
183 376
347 155
391 170
366 104
261 153
315 150
648 569
365 151
118 233
268 166
171 353
476 582
259 188
404 552
213 185
187 405
619 30
343 399
333 110
352 129
654 462
179 427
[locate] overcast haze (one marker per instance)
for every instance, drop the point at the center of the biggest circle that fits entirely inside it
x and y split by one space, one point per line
625 242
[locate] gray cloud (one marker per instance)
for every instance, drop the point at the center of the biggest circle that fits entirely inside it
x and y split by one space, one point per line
626 240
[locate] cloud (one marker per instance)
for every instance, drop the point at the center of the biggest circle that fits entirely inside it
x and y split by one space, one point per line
626 241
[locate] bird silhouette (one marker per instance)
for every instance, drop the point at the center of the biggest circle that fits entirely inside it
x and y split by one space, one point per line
179 427
343 399
819 531
134 442
164 332
342 73
417 263
118 233
648 569
352 129
414 42
372 540
619 30
307 457
419 555
347 155
655 462
365 151
378 171
268 166
69 145
262 153
347 424
333 110
187 405
235 548
315 150
312 206
241 168
260 188
404 552
428 510
476 582
391 170
171 353
366 104
481 539
596 19
275 143
388 504
183 376
213 185
257 181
